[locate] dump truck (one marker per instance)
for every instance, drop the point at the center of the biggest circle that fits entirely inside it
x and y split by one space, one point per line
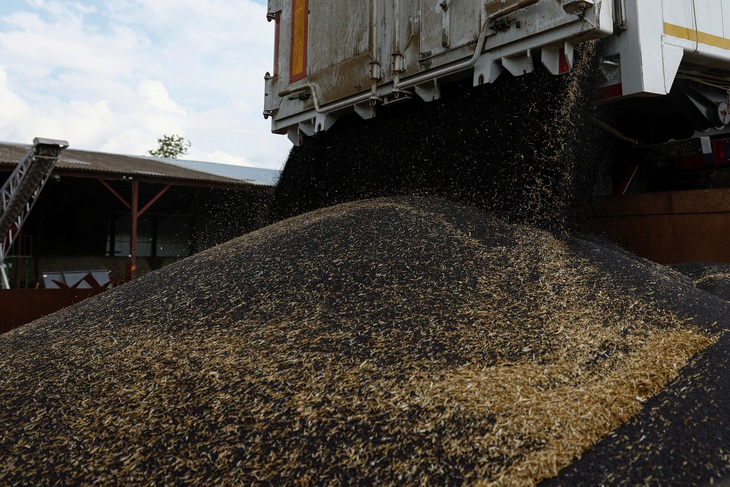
659 75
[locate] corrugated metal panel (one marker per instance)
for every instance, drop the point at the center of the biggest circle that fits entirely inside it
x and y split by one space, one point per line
103 163
253 175
669 227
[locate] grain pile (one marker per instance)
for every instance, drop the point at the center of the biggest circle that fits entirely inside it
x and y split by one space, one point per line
400 341
713 277
680 437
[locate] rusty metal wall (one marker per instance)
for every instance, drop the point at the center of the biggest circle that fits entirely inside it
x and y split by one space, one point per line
669 227
21 306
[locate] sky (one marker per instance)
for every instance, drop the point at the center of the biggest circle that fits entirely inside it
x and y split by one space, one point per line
116 75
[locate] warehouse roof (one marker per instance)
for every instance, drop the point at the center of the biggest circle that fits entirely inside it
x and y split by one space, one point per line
100 164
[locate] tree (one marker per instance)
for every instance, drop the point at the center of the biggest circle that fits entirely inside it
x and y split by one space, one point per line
171 147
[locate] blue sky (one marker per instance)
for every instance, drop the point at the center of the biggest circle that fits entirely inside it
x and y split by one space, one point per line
115 75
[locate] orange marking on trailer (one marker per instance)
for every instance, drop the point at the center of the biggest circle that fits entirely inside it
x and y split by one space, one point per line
299 32
696 36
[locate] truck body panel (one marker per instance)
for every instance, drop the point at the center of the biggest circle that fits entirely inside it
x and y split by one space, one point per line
335 57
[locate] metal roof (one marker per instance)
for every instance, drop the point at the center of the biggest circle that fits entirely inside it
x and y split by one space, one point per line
255 175
101 164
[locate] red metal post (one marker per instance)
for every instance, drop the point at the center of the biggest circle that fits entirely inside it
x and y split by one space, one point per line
113 191
152 201
133 236
136 213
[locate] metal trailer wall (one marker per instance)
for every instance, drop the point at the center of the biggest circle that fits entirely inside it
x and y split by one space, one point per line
333 57
21 306
669 227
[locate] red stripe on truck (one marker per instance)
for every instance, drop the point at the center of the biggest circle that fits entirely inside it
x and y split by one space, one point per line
611 91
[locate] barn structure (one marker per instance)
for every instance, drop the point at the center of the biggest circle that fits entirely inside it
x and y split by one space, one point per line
79 232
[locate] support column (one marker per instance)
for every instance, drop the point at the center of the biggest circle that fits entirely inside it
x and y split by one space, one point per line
133 236
136 213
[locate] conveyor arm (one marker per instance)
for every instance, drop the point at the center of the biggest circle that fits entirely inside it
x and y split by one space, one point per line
21 190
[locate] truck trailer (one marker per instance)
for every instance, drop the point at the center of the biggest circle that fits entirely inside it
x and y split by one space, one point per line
658 80
334 57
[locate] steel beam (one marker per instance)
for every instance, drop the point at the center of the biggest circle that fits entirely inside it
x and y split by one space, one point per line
136 212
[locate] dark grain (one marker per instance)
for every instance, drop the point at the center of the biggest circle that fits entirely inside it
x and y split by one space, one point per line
391 341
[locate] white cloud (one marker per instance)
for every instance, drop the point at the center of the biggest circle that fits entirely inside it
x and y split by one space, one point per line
158 97
116 75
10 102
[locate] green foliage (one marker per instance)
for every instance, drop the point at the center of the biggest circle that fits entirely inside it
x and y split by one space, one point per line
171 146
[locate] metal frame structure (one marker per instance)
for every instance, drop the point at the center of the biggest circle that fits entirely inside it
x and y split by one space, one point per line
20 192
133 206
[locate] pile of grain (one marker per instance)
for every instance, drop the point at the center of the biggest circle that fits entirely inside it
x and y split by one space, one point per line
396 340
713 277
